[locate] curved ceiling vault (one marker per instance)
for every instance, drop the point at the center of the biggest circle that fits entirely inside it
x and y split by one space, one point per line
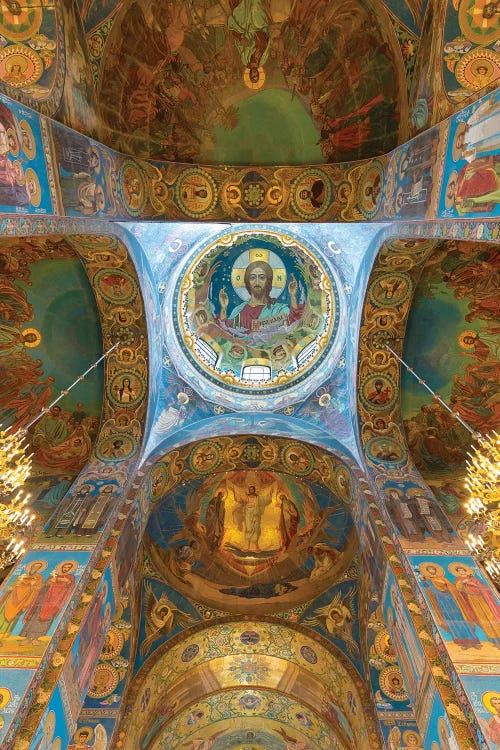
260 82
248 683
239 525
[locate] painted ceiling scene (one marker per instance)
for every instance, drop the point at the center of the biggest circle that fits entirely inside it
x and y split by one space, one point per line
258 335
250 519
455 318
46 302
249 81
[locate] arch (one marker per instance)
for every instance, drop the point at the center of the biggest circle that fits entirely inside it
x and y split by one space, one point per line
311 667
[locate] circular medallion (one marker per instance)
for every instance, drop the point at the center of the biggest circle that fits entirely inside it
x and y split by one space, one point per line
478 68
479 20
311 194
370 189
298 459
385 451
378 393
391 683
133 188
20 66
196 192
104 681
116 447
343 484
379 338
411 247
250 702
255 312
113 644
126 389
115 285
190 652
383 646
20 21
390 289
309 654
158 480
205 457
101 241
249 638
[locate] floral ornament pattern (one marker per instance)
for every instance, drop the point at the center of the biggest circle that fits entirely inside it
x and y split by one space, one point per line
249 670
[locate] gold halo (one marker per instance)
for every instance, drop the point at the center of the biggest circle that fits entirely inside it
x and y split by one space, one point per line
457 152
424 567
250 84
36 196
78 732
487 700
5 696
463 335
36 342
128 349
94 150
415 492
74 566
452 567
26 128
29 565
448 202
49 724
442 726
411 733
13 151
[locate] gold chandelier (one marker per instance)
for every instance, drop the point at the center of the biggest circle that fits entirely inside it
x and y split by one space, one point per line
15 465
483 486
16 520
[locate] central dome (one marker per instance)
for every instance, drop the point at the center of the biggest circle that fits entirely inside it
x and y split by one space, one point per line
255 313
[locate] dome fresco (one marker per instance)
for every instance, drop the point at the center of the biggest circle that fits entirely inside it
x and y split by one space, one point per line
255 313
251 536
250 81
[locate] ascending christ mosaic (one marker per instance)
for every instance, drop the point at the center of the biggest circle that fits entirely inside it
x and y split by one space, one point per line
257 310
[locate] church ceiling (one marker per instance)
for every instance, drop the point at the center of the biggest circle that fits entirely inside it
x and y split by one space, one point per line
471 49
452 341
251 82
230 675
225 373
255 314
46 302
251 536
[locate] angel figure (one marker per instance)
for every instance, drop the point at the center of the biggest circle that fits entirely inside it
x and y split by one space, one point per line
337 619
161 617
83 737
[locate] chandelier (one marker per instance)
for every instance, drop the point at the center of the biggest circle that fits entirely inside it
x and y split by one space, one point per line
16 520
482 483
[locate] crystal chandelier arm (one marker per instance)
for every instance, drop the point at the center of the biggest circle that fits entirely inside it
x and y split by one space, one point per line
65 391
435 395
